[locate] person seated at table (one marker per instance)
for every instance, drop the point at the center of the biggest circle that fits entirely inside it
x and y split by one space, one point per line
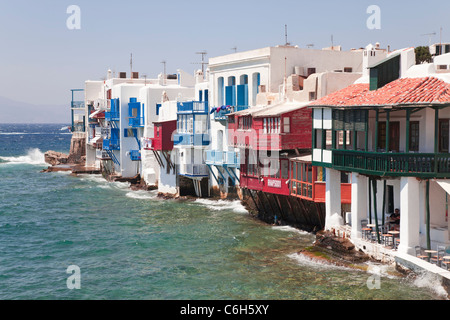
395 219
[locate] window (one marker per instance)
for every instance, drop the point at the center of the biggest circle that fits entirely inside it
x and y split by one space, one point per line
328 139
311 71
286 125
284 169
244 123
414 136
272 125
443 135
190 124
347 138
382 135
348 69
312 96
200 124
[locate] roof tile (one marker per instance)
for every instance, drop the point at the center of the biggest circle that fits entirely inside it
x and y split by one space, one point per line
402 91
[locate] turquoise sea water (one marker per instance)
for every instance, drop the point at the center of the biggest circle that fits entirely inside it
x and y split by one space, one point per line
133 245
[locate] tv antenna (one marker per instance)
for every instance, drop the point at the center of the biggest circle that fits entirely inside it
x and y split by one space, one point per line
164 74
131 65
286 36
203 63
429 36
234 49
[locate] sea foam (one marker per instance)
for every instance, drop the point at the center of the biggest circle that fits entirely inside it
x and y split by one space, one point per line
217 205
33 156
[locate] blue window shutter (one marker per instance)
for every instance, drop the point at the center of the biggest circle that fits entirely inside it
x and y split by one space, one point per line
242 95
228 95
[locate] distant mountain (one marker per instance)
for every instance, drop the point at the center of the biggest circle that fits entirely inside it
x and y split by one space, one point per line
12 111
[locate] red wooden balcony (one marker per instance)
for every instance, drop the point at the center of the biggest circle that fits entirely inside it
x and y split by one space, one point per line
272 128
306 182
162 140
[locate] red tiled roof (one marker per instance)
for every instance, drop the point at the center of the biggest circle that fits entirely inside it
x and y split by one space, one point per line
428 90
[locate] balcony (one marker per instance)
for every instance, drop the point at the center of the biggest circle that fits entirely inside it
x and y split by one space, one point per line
111 144
136 122
77 105
102 154
135 155
192 107
220 113
189 139
194 170
223 158
112 116
424 165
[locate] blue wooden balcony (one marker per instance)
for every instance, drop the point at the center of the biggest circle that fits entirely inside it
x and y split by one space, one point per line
223 158
136 122
189 139
112 116
111 144
192 107
194 170
135 155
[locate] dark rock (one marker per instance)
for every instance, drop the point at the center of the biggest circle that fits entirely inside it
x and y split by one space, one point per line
56 158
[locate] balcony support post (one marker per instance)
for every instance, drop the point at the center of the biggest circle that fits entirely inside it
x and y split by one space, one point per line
408 116
376 130
427 204
388 116
374 183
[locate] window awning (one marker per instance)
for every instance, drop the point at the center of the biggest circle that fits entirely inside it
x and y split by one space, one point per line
97 114
93 114
445 184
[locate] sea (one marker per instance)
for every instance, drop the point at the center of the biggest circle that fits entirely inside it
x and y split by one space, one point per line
65 237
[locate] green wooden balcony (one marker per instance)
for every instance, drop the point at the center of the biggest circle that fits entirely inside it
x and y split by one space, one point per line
424 165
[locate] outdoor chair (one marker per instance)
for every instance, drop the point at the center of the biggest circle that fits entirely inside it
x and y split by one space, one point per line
420 254
437 258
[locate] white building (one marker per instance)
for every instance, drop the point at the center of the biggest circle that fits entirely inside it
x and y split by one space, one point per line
265 77
390 129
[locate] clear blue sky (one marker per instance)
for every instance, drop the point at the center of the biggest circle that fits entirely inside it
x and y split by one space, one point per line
41 59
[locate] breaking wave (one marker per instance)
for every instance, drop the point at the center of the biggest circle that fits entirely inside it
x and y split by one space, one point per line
432 282
217 205
290 229
33 156
141 195
307 261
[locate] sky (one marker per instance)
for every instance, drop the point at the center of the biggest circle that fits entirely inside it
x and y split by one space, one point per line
41 59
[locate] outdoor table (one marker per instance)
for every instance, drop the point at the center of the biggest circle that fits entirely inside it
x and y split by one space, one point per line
429 253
